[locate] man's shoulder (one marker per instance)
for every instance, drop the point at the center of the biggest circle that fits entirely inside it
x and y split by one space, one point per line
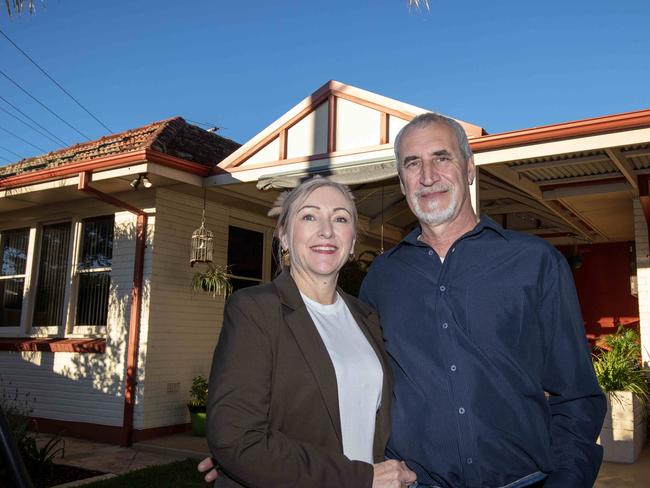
530 243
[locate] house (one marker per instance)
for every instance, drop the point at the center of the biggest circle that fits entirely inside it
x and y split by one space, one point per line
97 320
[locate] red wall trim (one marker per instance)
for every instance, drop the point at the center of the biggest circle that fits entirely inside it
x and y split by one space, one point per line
47 344
585 127
103 433
331 124
108 162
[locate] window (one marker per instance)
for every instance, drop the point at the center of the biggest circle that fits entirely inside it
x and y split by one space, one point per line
13 263
94 268
52 273
245 256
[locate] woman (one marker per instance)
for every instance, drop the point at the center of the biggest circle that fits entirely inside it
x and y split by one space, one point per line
300 386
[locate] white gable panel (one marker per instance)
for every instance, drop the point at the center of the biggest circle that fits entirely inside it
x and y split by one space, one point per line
309 136
395 124
356 125
268 154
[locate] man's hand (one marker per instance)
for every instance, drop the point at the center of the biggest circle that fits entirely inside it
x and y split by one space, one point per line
392 474
208 465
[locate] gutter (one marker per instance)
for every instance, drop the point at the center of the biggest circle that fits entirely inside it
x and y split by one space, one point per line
546 133
133 348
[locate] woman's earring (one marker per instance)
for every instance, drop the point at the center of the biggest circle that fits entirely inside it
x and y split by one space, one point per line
284 258
351 256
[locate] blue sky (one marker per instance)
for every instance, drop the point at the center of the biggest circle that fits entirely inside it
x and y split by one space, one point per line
504 65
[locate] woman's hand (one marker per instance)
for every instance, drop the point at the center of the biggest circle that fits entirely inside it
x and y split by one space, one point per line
208 465
392 474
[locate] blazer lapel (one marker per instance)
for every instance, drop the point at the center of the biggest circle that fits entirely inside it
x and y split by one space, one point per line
311 345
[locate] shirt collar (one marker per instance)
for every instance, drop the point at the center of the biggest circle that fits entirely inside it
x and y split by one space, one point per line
484 222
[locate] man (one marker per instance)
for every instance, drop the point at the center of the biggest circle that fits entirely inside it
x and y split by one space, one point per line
494 385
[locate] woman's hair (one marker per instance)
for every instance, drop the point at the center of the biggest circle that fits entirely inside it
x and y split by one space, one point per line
289 201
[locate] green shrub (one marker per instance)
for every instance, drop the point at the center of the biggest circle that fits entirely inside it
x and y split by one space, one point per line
199 392
618 363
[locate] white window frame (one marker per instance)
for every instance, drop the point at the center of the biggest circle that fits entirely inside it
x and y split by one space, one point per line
267 238
72 329
24 312
51 330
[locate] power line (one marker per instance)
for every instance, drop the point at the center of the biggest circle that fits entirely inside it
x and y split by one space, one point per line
28 125
10 151
24 140
56 83
8 160
43 105
29 118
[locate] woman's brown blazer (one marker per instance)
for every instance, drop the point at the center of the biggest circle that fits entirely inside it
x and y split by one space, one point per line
273 411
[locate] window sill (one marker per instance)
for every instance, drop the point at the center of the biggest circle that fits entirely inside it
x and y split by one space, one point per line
53 345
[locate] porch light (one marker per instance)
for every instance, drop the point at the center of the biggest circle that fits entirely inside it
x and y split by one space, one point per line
142 178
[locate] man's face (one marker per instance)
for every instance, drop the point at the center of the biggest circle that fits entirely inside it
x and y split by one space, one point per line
434 177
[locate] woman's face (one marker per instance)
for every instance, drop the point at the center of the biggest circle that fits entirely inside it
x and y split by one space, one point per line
321 233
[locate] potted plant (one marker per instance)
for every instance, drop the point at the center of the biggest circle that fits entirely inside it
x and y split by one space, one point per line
618 369
215 280
198 404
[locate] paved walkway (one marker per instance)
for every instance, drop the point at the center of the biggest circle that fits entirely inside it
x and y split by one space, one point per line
163 450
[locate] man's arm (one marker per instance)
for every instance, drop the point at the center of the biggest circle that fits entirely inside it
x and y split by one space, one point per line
576 401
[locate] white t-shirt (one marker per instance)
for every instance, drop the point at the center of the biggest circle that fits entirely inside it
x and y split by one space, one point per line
359 376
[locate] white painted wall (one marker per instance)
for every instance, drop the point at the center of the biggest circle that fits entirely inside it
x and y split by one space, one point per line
184 327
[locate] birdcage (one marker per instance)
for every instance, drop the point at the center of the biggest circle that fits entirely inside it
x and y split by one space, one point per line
202 244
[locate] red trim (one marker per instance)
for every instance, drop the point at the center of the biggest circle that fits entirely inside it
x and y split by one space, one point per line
331 124
103 433
108 162
282 141
53 345
313 157
384 128
133 348
585 127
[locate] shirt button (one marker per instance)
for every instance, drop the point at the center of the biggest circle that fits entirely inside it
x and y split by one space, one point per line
445 325
461 411
430 252
470 460
442 288
453 367
453 249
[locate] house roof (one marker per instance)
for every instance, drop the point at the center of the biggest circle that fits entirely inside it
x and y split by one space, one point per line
173 136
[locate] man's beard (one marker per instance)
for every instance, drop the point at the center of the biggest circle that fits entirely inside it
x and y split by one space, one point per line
436 215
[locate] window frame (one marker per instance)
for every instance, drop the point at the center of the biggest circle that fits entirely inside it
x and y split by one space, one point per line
72 328
27 276
267 238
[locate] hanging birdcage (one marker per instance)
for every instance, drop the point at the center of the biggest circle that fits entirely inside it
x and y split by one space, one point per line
202 244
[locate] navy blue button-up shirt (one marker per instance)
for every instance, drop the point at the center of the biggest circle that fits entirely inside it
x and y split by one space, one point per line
475 342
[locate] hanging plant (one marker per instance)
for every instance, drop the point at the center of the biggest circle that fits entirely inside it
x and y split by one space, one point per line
214 280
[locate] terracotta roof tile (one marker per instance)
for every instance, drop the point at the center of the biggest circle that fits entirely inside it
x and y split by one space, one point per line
171 136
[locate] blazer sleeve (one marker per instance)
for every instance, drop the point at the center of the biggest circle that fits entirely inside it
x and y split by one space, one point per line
239 399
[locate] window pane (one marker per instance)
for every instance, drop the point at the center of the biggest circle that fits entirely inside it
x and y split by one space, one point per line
11 301
14 252
97 243
92 301
52 271
245 252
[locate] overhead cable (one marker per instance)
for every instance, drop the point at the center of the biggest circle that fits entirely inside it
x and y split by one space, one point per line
29 118
56 83
10 151
30 126
43 105
24 140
